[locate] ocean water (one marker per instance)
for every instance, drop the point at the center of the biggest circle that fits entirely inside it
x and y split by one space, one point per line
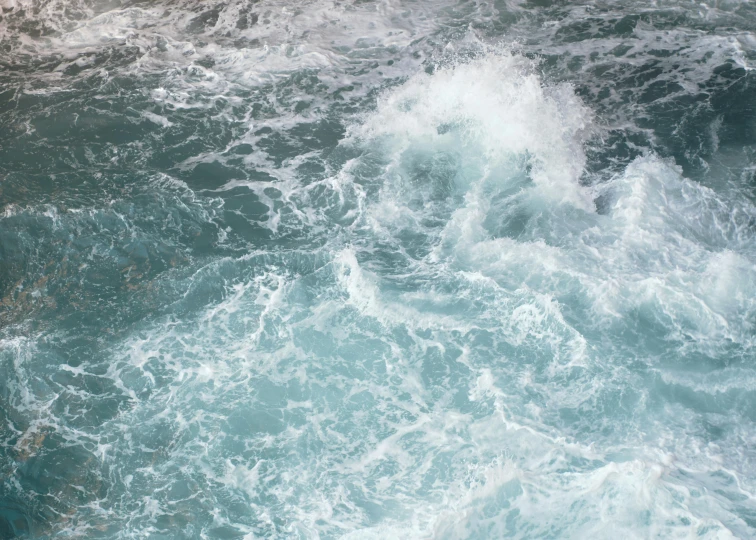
377 269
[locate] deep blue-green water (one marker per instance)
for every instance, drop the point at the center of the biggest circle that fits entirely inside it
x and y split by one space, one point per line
377 269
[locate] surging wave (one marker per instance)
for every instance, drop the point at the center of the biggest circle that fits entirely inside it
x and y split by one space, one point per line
413 312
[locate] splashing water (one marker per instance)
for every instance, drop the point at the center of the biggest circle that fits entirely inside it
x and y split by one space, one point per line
377 269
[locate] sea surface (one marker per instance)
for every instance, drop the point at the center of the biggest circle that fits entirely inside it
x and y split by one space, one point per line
377 269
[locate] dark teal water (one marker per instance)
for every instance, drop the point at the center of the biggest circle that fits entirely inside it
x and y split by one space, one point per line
377 269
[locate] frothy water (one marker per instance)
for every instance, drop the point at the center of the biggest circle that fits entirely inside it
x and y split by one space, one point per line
377 269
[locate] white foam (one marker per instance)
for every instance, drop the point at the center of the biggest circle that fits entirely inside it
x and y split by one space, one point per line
281 40
495 107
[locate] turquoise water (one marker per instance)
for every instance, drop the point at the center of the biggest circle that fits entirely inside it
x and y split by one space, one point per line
377 269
